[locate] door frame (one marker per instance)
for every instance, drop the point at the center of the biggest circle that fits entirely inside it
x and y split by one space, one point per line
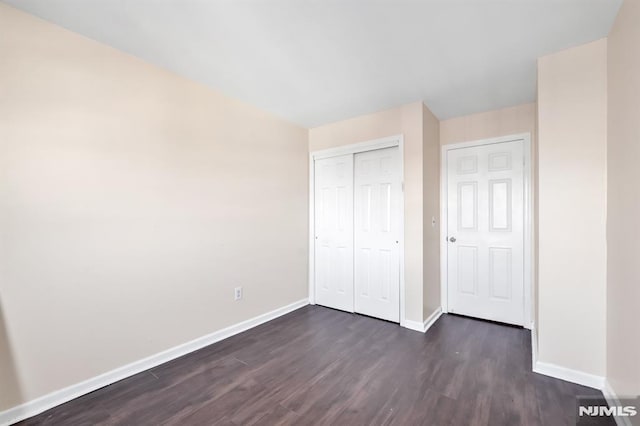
371 145
528 219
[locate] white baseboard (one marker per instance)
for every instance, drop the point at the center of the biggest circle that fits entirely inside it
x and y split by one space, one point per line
569 375
61 396
432 319
414 325
613 400
534 345
422 327
562 373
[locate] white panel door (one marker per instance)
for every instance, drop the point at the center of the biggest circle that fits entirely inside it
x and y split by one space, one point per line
377 233
485 190
334 232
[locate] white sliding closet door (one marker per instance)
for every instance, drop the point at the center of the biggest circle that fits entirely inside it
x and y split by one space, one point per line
377 233
334 232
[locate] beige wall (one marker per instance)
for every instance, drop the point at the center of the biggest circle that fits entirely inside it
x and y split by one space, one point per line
431 210
11 394
572 114
623 231
406 120
132 202
491 124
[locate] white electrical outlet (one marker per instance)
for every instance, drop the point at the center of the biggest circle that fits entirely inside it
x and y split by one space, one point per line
238 293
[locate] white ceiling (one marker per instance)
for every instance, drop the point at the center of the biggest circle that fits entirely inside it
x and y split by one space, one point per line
318 61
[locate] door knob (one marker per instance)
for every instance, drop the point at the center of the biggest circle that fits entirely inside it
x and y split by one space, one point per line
452 239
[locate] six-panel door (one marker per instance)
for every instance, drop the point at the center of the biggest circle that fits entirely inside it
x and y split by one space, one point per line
485 208
377 233
334 232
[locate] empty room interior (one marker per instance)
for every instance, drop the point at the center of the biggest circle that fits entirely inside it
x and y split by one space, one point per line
413 212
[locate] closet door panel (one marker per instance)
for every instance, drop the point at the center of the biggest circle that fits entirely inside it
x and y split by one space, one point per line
377 233
334 232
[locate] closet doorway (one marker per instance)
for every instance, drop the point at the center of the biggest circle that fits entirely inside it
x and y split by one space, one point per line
356 222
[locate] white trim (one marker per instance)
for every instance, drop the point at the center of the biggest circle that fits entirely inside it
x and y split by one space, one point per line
354 148
613 400
414 325
432 319
563 373
569 375
387 142
528 219
403 318
534 345
444 271
312 245
529 239
422 327
53 399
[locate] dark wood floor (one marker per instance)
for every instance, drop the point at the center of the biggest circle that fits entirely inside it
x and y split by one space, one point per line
320 366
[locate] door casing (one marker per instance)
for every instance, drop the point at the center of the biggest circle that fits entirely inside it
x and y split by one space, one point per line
387 142
528 220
